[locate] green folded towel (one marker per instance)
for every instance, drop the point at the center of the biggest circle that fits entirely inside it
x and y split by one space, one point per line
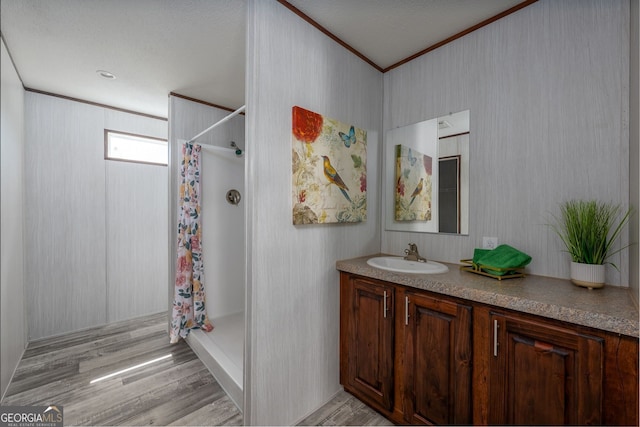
504 257
479 253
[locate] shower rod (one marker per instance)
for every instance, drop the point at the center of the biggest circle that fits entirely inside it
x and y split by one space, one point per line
218 123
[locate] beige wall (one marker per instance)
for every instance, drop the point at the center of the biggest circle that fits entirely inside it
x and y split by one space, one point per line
13 329
548 92
292 284
86 241
634 144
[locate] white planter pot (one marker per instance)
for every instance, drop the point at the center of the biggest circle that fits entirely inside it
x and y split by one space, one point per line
587 275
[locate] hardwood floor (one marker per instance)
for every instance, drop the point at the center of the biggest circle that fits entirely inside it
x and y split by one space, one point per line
176 390
345 410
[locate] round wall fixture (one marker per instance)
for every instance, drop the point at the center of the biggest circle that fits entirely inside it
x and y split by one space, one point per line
106 74
233 197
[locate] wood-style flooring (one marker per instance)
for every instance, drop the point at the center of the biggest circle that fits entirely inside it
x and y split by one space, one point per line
177 390
345 410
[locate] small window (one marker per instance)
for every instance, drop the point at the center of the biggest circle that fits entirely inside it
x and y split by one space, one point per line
128 147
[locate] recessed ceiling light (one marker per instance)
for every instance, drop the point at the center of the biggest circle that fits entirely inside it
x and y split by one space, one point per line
106 74
443 124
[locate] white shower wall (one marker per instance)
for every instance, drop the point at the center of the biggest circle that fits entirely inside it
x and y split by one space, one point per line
223 255
222 232
223 235
223 240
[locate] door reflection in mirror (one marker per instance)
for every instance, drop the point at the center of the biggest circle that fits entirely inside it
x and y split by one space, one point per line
419 193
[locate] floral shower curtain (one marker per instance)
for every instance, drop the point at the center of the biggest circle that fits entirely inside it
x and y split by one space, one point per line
188 305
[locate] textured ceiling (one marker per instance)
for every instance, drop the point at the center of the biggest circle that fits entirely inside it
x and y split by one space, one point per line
388 31
192 47
196 48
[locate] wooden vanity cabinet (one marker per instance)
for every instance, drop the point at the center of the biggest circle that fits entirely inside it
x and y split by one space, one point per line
425 378
367 340
437 360
533 371
620 394
541 374
419 357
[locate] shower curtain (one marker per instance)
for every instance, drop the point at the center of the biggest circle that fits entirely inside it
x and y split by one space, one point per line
188 305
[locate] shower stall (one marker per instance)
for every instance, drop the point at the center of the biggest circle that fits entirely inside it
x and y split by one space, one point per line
223 256
223 235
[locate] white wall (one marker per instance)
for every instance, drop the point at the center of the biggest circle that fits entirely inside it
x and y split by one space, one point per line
548 92
223 234
136 246
73 276
13 330
291 362
634 144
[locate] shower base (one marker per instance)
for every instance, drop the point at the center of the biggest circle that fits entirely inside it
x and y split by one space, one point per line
222 352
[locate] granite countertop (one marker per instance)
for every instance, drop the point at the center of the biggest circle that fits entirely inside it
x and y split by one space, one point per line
610 308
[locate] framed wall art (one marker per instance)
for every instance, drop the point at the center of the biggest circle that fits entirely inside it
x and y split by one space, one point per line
329 170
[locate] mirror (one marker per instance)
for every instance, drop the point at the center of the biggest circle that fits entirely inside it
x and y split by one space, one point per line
426 176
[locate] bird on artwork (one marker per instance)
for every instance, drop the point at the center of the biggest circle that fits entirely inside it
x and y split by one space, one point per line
416 191
334 178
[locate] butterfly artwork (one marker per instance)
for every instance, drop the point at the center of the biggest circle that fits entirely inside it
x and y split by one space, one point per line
329 170
411 175
348 139
412 159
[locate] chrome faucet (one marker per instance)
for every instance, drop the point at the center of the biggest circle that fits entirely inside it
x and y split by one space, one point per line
412 254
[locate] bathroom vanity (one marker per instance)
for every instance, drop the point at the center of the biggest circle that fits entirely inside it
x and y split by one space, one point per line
457 348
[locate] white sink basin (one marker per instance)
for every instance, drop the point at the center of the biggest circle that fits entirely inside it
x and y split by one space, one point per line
401 265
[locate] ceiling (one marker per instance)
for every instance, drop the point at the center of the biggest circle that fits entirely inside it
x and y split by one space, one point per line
196 48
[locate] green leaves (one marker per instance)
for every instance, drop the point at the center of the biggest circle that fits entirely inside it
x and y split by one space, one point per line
184 293
589 229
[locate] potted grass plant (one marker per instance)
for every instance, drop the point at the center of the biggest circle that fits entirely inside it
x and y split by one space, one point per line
589 229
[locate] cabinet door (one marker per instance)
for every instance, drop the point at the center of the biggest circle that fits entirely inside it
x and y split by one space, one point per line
543 375
437 368
370 344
